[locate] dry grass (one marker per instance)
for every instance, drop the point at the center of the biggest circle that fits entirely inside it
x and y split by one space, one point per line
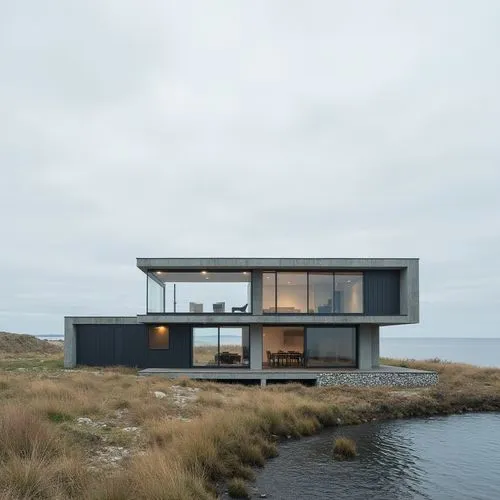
344 448
15 344
199 435
237 488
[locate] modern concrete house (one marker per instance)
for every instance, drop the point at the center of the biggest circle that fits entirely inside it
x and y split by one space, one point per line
255 319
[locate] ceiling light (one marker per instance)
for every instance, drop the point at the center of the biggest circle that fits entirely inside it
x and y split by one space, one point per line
203 272
158 272
244 272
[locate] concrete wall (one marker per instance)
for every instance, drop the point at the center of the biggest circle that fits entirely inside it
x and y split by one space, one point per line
231 263
256 347
368 347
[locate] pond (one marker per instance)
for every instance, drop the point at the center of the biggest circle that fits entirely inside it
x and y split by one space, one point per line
434 458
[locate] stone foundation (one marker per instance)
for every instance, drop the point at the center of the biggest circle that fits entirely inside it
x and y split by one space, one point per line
397 379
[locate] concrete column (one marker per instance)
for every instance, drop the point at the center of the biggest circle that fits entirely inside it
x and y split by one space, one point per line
365 347
375 346
69 343
403 291
256 347
257 292
413 292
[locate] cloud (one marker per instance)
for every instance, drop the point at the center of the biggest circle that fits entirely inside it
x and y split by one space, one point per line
272 129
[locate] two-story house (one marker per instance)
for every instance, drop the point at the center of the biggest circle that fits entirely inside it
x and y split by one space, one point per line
253 318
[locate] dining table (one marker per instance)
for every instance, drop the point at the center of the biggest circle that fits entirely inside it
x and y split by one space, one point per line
287 358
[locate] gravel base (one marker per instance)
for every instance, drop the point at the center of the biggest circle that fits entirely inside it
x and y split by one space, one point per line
411 379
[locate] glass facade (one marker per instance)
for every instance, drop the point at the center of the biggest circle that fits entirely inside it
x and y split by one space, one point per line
155 294
331 347
200 292
269 292
312 293
291 292
219 347
349 293
283 346
321 293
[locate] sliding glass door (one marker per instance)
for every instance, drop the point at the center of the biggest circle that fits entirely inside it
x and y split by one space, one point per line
219 347
330 347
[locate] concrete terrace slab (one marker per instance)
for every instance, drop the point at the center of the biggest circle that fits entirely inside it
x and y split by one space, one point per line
384 375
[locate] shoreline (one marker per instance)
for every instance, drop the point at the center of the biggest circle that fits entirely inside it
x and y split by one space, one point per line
141 437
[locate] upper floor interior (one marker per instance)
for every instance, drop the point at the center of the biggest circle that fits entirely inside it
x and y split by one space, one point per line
281 287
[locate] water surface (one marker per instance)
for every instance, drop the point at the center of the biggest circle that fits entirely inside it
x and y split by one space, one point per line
481 352
440 458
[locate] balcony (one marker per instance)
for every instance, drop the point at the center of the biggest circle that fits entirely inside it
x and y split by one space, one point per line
200 292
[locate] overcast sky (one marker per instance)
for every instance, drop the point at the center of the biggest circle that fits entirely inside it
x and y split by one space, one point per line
258 128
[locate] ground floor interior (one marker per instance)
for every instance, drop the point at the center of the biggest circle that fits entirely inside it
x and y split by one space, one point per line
242 347
282 347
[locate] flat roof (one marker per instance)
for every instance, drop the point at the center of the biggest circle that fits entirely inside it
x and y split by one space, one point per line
270 263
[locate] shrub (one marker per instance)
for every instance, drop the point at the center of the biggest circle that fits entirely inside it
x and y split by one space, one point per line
25 435
237 488
344 448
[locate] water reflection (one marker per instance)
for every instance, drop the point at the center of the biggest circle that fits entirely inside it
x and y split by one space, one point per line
453 457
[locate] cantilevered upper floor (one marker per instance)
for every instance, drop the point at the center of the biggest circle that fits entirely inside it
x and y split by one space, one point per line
280 291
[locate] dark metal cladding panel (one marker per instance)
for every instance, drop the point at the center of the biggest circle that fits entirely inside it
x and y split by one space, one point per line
94 345
179 353
130 345
127 345
382 292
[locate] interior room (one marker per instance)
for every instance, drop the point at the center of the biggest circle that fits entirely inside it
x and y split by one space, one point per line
283 347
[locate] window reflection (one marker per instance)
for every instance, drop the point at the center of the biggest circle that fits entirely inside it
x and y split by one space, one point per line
321 293
269 292
331 346
219 347
349 293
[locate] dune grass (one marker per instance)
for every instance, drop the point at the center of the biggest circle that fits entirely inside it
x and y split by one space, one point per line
344 448
188 444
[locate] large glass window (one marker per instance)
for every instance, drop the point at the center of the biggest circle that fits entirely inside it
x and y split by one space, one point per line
218 347
204 292
312 292
269 292
331 347
155 294
205 346
292 292
321 293
349 293
283 346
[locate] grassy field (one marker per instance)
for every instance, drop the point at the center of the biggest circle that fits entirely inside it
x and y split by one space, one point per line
108 434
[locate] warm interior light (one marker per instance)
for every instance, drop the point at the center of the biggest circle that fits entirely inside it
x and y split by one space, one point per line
161 329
